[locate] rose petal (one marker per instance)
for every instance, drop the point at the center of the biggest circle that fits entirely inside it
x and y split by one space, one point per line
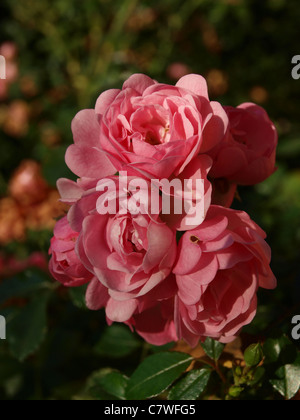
96 295
195 83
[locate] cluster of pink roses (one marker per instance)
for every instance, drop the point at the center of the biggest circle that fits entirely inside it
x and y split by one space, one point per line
163 278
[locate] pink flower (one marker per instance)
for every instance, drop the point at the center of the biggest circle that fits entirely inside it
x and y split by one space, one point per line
247 154
65 265
130 254
220 267
147 128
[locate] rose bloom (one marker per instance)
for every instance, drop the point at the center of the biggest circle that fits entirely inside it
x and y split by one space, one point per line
220 267
247 154
147 127
130 254
65 265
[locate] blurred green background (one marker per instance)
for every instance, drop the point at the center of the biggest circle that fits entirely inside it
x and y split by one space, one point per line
61 56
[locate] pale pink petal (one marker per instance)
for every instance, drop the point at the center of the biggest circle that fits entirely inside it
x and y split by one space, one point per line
87 162
160 241
120 311
138 82
69 191
195 83
215 129
189 255
105 100
86 129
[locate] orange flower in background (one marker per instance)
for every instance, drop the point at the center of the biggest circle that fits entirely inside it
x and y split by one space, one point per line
177 70
27 185
31 204
217 82
16 121
259 94
12 223
43 215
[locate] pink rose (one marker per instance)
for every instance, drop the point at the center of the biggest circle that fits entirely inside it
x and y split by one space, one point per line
65 265
130 254
147 128
220 266
247 154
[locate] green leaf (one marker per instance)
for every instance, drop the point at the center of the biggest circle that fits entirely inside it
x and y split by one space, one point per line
27 330
289 383
289 148
279 350
213 348
105 384
112 385
22 285
272 349
117 342
258 376
253 355
9 367
156 374
191 386
77 295
235 391
159 349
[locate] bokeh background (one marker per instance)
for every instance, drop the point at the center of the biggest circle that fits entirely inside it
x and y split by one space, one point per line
60 56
